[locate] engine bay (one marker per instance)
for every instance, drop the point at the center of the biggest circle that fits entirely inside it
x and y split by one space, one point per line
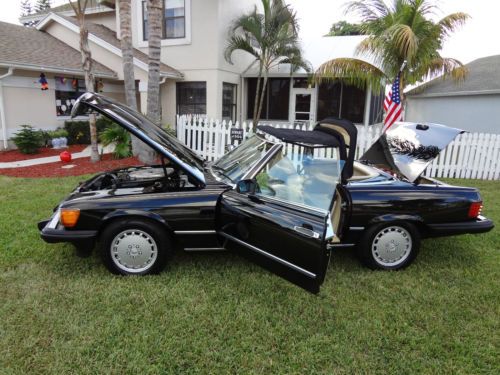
151 179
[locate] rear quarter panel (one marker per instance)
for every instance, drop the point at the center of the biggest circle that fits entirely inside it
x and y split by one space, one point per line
398 200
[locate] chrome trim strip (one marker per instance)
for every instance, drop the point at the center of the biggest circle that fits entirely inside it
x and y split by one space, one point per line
182 232
341 245
204 249
269 255
260 163
54 221
356 228
289 203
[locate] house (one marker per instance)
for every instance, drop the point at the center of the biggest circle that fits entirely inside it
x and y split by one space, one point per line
472 105
195 77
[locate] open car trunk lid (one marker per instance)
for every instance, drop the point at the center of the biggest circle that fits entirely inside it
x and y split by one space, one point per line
408 148
140 126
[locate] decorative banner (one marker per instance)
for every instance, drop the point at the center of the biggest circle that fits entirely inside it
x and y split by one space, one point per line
43 82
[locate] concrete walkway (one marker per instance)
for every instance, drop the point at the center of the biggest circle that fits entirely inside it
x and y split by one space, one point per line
53 159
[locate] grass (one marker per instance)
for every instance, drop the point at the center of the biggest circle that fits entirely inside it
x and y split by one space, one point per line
217 313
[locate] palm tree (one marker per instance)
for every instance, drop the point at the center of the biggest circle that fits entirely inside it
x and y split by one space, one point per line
398 33
154 49
271 38
139 149
79 7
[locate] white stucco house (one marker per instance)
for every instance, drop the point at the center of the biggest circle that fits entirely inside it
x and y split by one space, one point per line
195 77
472 105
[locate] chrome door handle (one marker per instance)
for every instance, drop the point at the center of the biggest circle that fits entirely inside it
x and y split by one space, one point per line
306 232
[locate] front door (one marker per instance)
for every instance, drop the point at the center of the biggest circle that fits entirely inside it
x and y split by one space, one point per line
286 239
302 105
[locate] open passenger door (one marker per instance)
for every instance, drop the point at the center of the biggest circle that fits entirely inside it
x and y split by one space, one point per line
287 208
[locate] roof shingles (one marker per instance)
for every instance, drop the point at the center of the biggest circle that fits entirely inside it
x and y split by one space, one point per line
25 46
483 77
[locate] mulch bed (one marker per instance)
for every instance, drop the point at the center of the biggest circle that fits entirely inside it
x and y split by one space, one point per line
82 166
15 155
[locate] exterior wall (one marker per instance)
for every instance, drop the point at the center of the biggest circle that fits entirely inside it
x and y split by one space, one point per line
202 57
100 54
107 19
477 113
26 104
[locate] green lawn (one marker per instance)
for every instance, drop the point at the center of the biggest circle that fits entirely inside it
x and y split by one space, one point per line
218 313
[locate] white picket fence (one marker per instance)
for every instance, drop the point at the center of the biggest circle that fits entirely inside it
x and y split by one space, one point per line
470 155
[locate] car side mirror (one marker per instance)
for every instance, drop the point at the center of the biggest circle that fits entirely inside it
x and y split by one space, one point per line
246 186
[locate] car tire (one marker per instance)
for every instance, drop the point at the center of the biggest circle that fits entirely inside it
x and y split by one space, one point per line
135 247
389 246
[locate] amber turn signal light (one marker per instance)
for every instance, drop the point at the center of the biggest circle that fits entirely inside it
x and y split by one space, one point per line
475 209
69 217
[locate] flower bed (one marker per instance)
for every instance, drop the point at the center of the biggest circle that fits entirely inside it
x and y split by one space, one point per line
15 155
81 166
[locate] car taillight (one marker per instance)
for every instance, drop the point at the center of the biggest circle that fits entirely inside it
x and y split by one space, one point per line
69 217
475 209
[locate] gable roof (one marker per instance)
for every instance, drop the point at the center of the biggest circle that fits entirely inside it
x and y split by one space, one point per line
107 38
483 78
66 9
27 48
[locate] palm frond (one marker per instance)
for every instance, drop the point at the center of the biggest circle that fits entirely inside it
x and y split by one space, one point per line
452 22
242 43
355 72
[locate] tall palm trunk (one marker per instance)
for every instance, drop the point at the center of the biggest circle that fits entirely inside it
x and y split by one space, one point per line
79 7
262 95
154 46
256 116
139 149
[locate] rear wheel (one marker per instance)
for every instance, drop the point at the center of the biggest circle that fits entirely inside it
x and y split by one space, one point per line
389 246
135 247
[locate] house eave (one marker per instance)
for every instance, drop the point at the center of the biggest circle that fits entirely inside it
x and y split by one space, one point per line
453 93
53 69
70 13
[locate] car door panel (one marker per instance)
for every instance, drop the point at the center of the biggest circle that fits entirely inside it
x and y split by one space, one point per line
276 235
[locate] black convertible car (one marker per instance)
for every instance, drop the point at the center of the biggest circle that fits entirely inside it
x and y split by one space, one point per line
283 198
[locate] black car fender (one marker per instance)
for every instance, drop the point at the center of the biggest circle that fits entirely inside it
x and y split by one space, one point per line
388 218
120 214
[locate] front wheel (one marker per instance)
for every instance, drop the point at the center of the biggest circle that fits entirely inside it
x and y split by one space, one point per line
135 247
389 246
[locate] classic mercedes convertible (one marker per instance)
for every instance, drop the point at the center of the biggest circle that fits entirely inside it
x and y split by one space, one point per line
284 199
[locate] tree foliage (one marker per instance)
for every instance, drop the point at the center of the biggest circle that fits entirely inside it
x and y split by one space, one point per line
344 28
42 5
26 8
271 38
401 31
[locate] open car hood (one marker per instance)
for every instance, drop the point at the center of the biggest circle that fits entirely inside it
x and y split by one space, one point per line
408 148
151 134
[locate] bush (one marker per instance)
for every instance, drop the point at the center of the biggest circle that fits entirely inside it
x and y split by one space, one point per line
28 140
79 131
121 137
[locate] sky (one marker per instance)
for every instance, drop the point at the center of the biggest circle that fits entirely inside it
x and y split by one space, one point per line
478 38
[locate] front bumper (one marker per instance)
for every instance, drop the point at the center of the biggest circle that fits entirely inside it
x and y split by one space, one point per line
480 225
52 231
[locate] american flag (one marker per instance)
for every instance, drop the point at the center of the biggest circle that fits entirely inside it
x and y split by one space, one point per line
392 105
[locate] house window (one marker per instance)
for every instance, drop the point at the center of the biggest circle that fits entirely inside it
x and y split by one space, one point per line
67 91
337 99
191 98
173 19
276 98
229 101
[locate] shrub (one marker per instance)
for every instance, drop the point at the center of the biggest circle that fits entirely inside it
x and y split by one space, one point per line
28 140
121 137
79 131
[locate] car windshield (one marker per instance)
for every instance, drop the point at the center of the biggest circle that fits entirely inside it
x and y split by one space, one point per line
235 164
301 175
